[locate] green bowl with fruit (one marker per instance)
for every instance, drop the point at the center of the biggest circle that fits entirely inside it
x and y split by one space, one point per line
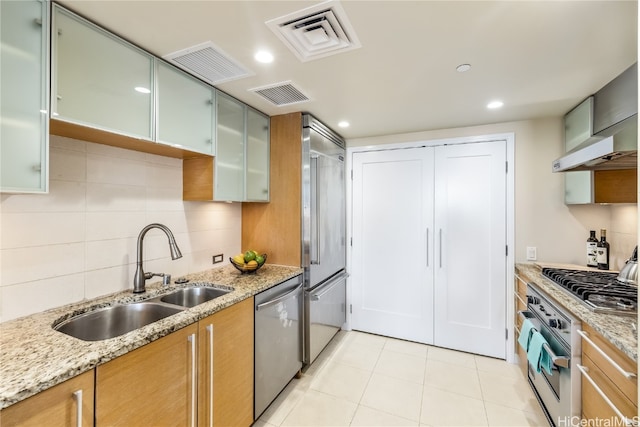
249 261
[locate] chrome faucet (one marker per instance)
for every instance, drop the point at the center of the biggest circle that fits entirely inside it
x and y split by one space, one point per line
141 277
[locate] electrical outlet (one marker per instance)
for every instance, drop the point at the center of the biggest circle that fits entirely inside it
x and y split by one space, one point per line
218 258
532 253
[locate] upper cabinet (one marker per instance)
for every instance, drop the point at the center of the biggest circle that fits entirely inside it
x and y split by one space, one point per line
108 91
257 163
229 161
239 172
100 80
185 110
24 78
578 124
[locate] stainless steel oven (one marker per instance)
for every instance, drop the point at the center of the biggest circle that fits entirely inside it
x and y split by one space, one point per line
559 391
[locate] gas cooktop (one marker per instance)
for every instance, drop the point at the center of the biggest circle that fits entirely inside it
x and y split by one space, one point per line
598 290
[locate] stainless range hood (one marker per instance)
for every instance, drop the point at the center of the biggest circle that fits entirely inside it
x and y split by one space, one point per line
614 141
613 152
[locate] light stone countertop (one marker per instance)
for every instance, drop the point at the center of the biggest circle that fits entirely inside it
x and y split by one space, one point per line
34 357
615 328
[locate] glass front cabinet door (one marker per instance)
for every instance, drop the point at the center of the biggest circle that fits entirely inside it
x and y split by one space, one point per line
100 80
229 159
24 82
257 154
185 110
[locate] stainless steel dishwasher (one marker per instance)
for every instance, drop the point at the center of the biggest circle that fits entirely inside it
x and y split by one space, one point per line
278 340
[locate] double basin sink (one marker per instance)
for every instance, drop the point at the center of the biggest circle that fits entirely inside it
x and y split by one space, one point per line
111 322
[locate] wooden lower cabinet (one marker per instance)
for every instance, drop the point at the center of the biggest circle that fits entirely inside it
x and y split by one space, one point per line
164 383
520 298
621 391
152 385
226 357
56 406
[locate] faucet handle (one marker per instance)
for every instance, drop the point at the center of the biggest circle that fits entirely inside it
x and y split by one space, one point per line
166 278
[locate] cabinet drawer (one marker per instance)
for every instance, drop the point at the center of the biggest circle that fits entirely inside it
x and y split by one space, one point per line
520 306
57 405
628 386
522 355
593 405
521 287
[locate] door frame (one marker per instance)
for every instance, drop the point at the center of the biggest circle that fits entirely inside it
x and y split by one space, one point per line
509 138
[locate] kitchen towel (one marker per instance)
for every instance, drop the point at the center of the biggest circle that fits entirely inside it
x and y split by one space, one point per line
537 355
525 334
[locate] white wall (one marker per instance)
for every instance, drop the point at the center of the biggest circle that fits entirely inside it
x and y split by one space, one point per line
559 232
79 241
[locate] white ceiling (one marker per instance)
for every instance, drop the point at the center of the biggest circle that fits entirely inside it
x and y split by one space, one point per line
540 58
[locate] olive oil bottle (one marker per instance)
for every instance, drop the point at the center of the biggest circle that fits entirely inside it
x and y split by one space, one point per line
592 250
603 251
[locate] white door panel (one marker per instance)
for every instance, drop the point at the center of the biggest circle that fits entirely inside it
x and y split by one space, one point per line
470 194
391 266
429 239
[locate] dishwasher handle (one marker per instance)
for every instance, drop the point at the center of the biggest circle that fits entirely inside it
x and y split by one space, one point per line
278 299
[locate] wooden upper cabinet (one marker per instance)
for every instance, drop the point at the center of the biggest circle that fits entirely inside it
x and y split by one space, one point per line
225 367
56 406
275 227
152 385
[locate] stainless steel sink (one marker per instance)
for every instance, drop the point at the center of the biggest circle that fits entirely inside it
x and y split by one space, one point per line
190 297
114 321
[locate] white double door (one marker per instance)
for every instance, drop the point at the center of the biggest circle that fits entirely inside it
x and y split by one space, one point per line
429 245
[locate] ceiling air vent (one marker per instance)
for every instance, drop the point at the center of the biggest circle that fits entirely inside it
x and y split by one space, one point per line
209 63
317 31
281 94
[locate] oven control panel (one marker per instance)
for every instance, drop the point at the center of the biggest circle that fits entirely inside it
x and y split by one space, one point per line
548 313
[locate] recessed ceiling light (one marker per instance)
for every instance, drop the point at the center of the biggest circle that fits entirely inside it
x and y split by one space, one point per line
142 89
463 67
263 56
495 104
343 124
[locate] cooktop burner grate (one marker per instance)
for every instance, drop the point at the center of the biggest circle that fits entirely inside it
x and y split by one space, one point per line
599 290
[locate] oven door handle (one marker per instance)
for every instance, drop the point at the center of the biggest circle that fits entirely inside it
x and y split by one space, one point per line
560 361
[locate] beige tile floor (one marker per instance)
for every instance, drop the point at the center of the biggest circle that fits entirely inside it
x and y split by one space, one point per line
368 380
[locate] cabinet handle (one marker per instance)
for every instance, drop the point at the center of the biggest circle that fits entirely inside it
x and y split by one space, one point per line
521 300
440 249
209 329
78 396
192 340
585 336
584 371
427 246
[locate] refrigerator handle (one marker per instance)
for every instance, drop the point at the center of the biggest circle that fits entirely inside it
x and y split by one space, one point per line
315 214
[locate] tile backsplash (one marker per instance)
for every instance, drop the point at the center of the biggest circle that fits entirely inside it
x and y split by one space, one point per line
79 241
623 236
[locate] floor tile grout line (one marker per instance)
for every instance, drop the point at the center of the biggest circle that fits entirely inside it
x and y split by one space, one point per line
484 402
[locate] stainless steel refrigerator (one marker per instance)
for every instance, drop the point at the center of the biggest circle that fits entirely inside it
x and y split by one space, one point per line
323 235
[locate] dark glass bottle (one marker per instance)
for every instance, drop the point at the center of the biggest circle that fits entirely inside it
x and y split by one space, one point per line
592 247
603 251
